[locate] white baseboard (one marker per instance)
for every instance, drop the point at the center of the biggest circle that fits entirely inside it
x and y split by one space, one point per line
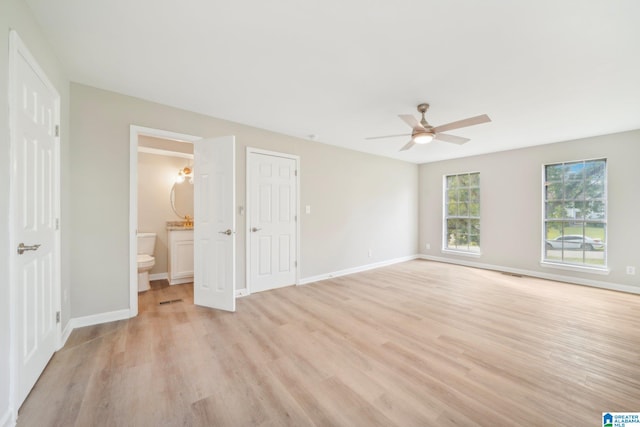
94 319
181 281
7 420
158 276
537 274
66 333
353 270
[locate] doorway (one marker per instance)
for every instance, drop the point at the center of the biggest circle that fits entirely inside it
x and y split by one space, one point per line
137 133
272 220
214 228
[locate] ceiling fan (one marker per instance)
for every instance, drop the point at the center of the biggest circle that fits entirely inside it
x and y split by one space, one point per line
423 133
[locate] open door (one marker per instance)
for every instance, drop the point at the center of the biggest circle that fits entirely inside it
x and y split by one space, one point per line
214 223
34 226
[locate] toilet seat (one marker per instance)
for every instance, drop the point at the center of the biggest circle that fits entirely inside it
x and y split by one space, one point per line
145 261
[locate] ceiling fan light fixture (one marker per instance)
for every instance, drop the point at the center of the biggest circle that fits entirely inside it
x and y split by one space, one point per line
423 137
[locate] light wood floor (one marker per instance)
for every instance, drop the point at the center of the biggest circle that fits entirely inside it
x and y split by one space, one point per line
415 344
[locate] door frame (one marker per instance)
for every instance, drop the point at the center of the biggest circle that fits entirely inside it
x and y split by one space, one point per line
18 47
252 150
136 131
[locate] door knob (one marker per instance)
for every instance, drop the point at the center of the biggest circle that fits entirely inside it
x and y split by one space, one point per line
22 248
228 232
254 229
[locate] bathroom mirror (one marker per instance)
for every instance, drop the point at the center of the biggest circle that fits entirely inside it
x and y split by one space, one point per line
182 199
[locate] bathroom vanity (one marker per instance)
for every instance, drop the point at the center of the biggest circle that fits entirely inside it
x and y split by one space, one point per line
180 244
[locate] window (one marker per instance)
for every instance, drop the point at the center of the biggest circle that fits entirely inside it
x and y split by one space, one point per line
575 213
462 213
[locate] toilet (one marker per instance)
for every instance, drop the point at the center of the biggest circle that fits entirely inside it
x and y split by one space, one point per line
146 261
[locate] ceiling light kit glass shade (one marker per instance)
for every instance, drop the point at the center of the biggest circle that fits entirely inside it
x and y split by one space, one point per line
423 137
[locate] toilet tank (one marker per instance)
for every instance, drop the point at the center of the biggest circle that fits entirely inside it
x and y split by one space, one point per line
146 243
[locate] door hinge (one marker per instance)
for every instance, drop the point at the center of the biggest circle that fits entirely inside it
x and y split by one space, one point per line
295 218
57 317
295 263
57 223
57 130
296 172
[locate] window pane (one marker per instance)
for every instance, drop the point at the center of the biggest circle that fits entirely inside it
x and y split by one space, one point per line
474 195
452 209
452 196
554 191
553 245
463 180
452 181
474 180
573 210
463 194
594 190
555 210
474 209
577 211
554 172
474 225
574 189
594 210
595 180
474 243
574 171
463 209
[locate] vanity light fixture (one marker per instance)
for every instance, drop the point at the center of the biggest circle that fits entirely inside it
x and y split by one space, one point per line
185 172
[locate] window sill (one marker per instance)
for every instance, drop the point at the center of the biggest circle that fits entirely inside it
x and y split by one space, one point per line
578 268
461 253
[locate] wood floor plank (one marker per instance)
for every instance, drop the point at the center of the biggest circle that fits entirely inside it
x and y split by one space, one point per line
414 344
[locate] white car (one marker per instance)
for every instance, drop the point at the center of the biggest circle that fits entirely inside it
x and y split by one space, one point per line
574 242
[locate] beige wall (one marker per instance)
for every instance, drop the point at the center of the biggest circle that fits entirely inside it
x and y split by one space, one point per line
156 176
14 14
511 205
359 201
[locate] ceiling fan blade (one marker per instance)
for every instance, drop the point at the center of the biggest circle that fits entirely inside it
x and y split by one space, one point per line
411 121
451 138
462 123
388 136
409 145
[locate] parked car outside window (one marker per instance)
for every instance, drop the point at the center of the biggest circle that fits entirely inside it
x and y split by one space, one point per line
574 242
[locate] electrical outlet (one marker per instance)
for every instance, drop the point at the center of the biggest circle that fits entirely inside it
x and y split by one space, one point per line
427 246
631 270
370 253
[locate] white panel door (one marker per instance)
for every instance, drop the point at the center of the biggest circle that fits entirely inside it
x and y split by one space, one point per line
34 208
272 221
214 223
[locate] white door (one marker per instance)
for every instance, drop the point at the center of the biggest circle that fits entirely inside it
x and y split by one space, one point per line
272 221
34 224
214 223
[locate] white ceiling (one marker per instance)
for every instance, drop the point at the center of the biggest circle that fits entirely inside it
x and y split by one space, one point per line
544 70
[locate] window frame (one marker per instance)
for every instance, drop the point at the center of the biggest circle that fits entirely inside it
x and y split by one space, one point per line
569 265
445 216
